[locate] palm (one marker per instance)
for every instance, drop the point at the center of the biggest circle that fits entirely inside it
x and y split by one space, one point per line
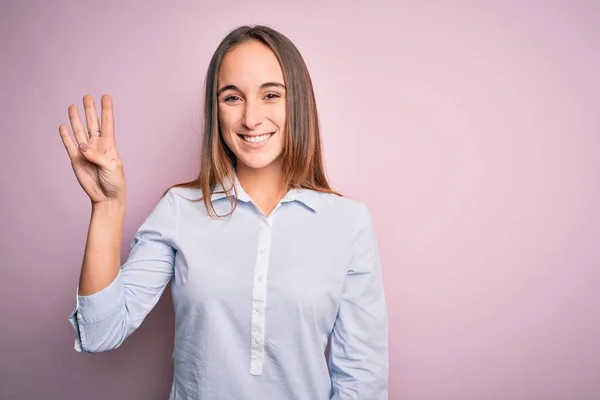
98 170
95 181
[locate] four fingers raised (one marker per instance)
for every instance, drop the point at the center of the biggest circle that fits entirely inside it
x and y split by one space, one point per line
95 131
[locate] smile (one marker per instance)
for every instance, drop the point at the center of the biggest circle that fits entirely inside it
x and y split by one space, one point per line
257 139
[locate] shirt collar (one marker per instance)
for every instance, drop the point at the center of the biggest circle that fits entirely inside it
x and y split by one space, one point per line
308 197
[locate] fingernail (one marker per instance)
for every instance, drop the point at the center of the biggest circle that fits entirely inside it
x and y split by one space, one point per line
83 146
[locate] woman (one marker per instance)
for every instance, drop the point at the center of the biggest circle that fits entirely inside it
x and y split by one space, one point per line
267 268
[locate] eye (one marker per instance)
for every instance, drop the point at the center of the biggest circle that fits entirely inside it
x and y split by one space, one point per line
231 98
272 96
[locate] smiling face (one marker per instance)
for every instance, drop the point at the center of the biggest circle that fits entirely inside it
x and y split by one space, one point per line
252 106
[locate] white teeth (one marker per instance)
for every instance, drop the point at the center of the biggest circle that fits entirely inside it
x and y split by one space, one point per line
256 139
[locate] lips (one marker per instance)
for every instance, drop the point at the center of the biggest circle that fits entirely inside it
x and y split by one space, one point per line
257 139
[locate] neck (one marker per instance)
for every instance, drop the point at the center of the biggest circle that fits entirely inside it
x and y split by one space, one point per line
264 186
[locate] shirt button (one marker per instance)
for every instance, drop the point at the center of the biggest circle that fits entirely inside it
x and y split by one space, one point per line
260 278
257 310
257 340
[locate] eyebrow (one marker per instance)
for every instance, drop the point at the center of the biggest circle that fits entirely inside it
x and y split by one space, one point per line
263 86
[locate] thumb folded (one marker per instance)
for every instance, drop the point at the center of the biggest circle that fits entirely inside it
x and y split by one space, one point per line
92 155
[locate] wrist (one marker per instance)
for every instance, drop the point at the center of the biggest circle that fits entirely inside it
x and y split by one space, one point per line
112 208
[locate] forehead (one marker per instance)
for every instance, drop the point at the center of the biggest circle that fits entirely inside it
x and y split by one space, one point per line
249 64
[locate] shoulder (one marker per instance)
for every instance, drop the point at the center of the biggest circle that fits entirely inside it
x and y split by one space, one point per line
177 200
341 205
179 194
349 214
349 221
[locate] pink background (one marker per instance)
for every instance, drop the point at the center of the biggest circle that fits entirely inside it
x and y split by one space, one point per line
471 130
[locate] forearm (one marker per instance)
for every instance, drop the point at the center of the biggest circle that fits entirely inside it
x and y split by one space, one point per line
115 297
102 260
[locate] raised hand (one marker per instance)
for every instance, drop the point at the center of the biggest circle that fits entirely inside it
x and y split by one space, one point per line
93 152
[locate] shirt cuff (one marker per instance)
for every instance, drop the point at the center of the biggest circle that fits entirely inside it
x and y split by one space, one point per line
96 307
101 305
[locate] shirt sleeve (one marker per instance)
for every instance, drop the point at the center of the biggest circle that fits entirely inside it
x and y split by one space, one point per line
359 361
103 320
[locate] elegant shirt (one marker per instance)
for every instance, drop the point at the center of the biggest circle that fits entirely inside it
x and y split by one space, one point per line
256 298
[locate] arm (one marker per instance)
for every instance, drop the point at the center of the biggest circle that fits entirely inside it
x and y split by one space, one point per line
101 258
359 342
112 302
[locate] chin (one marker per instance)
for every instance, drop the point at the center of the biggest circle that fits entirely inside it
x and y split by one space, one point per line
257 161
258 155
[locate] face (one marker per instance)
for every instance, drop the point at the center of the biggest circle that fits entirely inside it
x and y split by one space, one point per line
252 107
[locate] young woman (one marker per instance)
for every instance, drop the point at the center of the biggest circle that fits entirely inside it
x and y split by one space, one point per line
267 263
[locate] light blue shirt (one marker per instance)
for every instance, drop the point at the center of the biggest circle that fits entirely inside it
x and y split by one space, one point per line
255 298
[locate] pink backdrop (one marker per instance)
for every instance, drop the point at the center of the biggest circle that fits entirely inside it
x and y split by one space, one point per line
472 131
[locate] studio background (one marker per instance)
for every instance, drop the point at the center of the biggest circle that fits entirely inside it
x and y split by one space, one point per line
470 129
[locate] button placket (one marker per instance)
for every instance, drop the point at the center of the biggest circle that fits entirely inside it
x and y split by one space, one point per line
259 297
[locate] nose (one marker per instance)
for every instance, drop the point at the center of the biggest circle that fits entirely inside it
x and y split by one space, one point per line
252 116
